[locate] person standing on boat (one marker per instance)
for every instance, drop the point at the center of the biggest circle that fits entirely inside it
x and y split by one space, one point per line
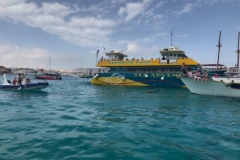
184 69
20 79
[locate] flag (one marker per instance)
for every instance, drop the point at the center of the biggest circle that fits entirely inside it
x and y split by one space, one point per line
104 50
97 53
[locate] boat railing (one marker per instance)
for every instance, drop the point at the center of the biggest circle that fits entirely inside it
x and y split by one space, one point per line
168 61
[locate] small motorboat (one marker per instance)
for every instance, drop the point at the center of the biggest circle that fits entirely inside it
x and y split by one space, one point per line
7 85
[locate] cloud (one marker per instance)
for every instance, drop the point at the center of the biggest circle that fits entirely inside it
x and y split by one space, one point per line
133 9
18 56
187 8
59 19
13 55
133 47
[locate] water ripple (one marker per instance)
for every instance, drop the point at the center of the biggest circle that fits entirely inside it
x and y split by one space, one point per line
72 119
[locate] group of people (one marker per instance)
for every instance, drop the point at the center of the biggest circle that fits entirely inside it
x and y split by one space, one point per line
19 79
197 75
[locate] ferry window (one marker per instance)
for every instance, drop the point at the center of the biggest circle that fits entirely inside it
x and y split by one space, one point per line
170 54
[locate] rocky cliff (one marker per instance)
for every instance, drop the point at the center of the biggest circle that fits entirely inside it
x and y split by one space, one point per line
4 70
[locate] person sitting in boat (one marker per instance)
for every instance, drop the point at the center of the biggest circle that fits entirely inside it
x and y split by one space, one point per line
190 74
197 75
14 82
205 76
9 81
184 68
28 81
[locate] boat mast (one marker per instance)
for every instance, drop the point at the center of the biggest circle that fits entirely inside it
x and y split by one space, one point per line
219 46
50 63
171 38
238 52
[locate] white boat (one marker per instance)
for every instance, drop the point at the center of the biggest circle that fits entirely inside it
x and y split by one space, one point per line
217 86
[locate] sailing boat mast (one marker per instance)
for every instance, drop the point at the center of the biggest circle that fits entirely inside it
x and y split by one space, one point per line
219 46
50 63
171 38
238 52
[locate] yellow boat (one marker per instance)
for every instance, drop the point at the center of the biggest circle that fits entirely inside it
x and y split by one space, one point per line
117 69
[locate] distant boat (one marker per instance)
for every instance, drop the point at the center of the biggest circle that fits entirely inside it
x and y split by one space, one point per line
217 86
7 85
41 74
86 76
49 76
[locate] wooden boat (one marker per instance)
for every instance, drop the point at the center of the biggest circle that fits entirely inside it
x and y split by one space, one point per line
24 86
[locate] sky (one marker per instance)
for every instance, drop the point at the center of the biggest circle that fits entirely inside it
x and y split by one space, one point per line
71 31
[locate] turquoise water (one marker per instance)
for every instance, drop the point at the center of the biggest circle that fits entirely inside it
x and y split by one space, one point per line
72 119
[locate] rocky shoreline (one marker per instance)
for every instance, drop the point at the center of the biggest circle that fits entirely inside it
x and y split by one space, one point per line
4 70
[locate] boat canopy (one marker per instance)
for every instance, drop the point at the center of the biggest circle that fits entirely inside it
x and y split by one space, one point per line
115 55
172 53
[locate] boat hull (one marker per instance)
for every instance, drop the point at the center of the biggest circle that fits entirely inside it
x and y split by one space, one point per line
31 86
48 77
211 87
138 79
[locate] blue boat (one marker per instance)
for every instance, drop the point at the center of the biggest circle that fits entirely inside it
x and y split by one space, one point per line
7 85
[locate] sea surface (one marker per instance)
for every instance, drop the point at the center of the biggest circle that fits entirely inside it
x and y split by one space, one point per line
72 120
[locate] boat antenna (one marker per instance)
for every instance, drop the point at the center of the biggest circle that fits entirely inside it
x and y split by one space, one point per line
219 46
123 50
171 38
238 52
